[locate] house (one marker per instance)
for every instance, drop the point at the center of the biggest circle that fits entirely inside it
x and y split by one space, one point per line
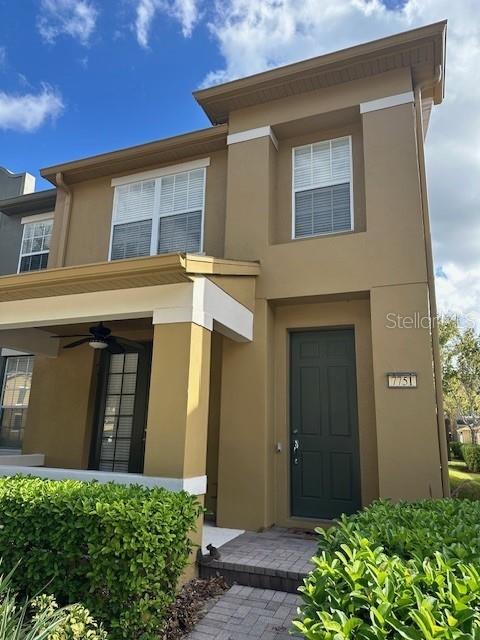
269 284
26 220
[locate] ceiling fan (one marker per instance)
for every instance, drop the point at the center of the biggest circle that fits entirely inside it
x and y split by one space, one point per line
100 337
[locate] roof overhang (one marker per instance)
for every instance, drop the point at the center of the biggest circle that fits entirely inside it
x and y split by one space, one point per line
422 50
37 202
120 274
141 157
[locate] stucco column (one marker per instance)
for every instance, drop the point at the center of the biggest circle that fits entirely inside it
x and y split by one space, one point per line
407 436
177 423
246 448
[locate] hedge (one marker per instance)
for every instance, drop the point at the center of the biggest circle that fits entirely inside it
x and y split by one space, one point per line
119 550
456 449
471 455
407 570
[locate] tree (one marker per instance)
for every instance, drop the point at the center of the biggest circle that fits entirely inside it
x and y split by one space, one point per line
460 351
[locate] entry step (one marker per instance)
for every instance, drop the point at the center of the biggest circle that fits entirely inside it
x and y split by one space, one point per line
276 559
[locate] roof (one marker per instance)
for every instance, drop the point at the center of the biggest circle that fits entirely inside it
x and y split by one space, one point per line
29 203
186 145
119 274
422 49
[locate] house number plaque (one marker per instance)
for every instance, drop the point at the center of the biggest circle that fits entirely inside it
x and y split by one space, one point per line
402 380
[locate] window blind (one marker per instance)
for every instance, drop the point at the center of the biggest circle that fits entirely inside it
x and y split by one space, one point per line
170 208
322 186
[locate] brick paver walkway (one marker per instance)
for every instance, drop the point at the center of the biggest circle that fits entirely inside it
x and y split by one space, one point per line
275 558
245 613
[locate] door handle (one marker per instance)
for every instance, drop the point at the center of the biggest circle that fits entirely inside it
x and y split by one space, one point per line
296 449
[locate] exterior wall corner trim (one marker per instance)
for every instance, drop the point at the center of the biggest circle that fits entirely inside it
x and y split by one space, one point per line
385 103
252 134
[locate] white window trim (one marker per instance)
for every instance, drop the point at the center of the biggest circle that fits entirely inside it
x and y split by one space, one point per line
319 186
156 210
32 253
38 217
160 173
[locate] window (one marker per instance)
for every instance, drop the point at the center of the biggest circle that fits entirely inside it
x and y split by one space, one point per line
35 245
119 413
159 215
15 394
322 188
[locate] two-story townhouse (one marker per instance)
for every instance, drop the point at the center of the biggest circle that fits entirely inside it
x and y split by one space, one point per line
26 222
266 281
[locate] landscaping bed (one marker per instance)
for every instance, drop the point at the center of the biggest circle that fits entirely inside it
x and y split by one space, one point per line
118 550
407 570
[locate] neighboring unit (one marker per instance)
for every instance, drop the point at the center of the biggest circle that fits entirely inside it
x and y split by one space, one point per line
222 311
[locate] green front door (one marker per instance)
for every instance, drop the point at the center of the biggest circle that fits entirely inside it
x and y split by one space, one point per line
324 456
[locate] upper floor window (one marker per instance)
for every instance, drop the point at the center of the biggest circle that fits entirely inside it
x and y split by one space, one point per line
322 188
35 244
159 215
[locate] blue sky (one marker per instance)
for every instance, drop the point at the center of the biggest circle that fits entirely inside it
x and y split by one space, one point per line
115 92
80 77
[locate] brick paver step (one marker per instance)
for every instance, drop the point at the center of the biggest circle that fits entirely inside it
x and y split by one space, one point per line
245 613
276 559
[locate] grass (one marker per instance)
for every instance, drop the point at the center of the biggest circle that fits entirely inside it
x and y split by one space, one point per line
463 483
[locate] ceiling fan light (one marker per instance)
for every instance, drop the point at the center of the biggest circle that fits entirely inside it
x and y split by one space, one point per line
98 344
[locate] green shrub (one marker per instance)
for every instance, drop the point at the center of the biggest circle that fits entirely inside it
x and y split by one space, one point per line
413 529
471 455
119 550
456 449
41 619
75 621
361 592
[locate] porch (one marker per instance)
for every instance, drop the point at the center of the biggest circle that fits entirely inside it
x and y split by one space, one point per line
139 408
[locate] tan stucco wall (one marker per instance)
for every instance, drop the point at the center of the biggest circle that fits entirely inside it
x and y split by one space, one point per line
60 411
91 216
177 422
408 447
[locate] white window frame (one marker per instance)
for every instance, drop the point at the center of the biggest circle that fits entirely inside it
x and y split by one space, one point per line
41 217
157 176
320 186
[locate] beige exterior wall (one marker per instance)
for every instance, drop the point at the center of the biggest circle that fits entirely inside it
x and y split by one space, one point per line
60 412
88 238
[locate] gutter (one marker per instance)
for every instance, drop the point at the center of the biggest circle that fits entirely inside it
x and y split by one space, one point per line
437 367
67 210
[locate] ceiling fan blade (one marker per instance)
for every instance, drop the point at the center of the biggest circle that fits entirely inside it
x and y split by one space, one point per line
114 347
77 343
129 343
72 335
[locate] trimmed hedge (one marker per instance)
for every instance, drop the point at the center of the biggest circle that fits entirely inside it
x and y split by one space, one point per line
119 550
413 529
393 571
361 592
471 455
456 449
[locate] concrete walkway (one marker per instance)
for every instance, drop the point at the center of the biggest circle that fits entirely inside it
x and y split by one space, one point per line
245 613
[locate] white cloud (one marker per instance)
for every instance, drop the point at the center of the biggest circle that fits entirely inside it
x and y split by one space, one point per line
29 111
253 36
184 11
75 18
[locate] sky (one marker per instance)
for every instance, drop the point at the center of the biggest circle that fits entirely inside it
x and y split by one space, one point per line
81 77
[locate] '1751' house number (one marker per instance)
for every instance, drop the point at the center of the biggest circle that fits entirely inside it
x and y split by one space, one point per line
402 380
